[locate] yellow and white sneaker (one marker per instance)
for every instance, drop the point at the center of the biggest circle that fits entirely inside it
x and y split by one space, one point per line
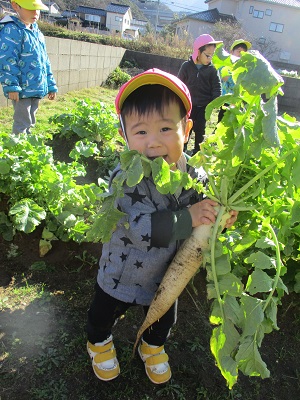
156 362
104 359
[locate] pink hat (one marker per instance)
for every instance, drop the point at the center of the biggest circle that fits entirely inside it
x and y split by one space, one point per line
202 40
154 76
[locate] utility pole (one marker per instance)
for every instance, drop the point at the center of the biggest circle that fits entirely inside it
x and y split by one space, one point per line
157 12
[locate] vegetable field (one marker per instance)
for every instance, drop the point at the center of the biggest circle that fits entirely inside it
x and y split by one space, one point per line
238 329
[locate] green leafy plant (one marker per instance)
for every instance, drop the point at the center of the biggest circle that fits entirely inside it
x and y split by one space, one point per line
96 124
38 190
117 78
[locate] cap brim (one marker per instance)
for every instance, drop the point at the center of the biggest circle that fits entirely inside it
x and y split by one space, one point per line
150 78
248 44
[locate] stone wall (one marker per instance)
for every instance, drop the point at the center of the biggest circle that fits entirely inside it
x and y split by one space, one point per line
77 65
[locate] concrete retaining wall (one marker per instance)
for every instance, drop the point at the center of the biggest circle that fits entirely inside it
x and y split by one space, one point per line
77 65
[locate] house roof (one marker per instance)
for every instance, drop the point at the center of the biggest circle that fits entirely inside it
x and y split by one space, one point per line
290 3
212 16
117 8
90 10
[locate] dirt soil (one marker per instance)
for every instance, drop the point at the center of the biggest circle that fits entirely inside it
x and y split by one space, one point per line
42 337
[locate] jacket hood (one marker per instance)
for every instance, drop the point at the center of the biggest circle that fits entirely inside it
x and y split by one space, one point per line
6 19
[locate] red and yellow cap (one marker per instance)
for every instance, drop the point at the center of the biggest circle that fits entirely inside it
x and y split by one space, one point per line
154 76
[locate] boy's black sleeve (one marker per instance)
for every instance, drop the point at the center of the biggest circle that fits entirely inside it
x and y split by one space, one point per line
169 226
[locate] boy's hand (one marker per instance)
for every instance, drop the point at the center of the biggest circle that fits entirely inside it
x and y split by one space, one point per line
204 213
52 95
232 219
13 96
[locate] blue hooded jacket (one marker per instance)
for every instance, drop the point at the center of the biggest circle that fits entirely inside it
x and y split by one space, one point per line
24 62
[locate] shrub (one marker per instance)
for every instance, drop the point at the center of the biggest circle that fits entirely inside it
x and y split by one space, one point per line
117 78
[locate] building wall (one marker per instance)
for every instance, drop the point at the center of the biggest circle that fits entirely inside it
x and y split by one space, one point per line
289 16
286 41
193 28
78 65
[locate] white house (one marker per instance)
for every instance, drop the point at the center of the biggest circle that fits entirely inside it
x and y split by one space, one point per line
53 7
276 20
202 22
118 17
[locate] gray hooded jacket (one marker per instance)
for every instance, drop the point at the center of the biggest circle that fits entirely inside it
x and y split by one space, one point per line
136 258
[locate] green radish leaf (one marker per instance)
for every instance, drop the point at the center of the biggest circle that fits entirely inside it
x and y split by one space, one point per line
230 284
223 342
259 282
296 172
249 360
4 167
223 265
295 217
233 310
260 260
27 215
252 309
161 175
264 243
269 121
271 312
135 172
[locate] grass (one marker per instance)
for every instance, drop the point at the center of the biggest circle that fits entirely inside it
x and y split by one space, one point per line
64 102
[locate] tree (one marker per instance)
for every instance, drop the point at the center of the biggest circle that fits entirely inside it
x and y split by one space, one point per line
229 32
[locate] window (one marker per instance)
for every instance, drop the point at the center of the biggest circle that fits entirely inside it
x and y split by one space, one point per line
268 12
251 10
274 27
119 19
258 14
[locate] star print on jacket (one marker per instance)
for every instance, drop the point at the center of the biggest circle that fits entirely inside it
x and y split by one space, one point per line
146 238
136 196
123 257
132 263
138 264
126 240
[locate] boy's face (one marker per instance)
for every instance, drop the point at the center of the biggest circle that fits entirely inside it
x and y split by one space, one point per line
156 135
237 51
26 16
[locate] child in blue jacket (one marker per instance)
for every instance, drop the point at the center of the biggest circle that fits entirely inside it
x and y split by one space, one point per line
25 71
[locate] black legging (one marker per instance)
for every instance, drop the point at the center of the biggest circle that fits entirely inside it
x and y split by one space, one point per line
199 123
105 310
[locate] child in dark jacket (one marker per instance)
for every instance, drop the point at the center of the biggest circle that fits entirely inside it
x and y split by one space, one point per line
154 109
203 82
25 71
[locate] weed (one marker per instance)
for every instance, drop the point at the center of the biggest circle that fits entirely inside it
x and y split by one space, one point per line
172 391
52 389
87 260
195 344
38 266
13 251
